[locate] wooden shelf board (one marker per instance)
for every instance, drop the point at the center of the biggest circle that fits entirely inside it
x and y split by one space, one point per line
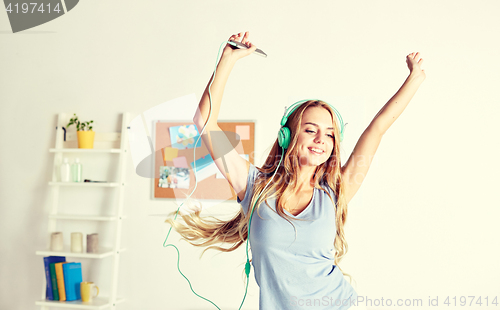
84 184
77 150
96 303
80 217
103 252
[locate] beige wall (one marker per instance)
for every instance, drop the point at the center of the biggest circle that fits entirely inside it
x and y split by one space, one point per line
425 221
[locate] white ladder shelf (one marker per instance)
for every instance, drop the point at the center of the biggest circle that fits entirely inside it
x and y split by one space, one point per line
54 216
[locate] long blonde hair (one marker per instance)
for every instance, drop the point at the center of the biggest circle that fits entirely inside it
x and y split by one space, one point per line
235 231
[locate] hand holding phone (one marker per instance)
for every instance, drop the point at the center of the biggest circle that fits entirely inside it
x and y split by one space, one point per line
236 44
239 46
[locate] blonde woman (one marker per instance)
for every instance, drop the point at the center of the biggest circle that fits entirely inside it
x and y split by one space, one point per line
297 239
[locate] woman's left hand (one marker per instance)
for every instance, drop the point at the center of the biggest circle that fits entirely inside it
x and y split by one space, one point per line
415 64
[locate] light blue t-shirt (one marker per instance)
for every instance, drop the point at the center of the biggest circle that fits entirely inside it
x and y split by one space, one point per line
296 273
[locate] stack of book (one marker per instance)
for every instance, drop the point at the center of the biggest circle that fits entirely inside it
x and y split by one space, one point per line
63 278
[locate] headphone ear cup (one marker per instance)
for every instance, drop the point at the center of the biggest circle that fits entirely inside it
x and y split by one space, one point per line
284 137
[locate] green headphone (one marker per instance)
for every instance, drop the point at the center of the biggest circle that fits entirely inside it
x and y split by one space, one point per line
284 133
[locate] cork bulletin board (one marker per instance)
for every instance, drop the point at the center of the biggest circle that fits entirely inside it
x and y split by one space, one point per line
174 161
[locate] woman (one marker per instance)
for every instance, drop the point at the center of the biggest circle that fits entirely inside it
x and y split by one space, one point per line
302 207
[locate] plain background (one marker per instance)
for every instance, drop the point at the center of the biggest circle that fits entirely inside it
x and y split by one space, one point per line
424 223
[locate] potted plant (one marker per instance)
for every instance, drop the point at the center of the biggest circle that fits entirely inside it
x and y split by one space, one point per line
84 133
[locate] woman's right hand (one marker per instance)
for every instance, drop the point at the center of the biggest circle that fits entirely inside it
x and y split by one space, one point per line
238 53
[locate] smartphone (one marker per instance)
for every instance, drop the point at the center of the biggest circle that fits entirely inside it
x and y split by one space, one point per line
235 44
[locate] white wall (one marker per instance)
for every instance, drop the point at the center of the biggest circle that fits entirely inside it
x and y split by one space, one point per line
425 221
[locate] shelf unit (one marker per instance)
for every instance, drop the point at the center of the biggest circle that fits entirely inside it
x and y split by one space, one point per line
117 217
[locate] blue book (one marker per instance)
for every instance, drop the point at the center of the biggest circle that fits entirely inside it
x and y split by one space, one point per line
47 261
72 279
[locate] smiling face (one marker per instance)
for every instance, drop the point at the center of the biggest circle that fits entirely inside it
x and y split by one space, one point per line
315 138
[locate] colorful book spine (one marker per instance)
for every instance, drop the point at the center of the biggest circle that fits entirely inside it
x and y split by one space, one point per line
60 281
53 279
72 279
47 261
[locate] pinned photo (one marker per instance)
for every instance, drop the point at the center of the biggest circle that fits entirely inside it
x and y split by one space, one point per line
184 137
173 177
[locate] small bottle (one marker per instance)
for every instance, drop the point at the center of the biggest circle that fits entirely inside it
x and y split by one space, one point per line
65 171
76 171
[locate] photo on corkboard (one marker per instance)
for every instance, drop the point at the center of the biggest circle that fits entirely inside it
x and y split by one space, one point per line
173 177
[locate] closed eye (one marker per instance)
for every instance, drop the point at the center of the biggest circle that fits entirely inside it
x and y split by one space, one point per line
331 136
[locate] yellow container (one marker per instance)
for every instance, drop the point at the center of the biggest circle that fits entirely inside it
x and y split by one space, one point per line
85 139
87 291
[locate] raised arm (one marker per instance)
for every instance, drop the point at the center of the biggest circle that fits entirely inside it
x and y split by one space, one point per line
355 169
230 163
396 105
226 64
